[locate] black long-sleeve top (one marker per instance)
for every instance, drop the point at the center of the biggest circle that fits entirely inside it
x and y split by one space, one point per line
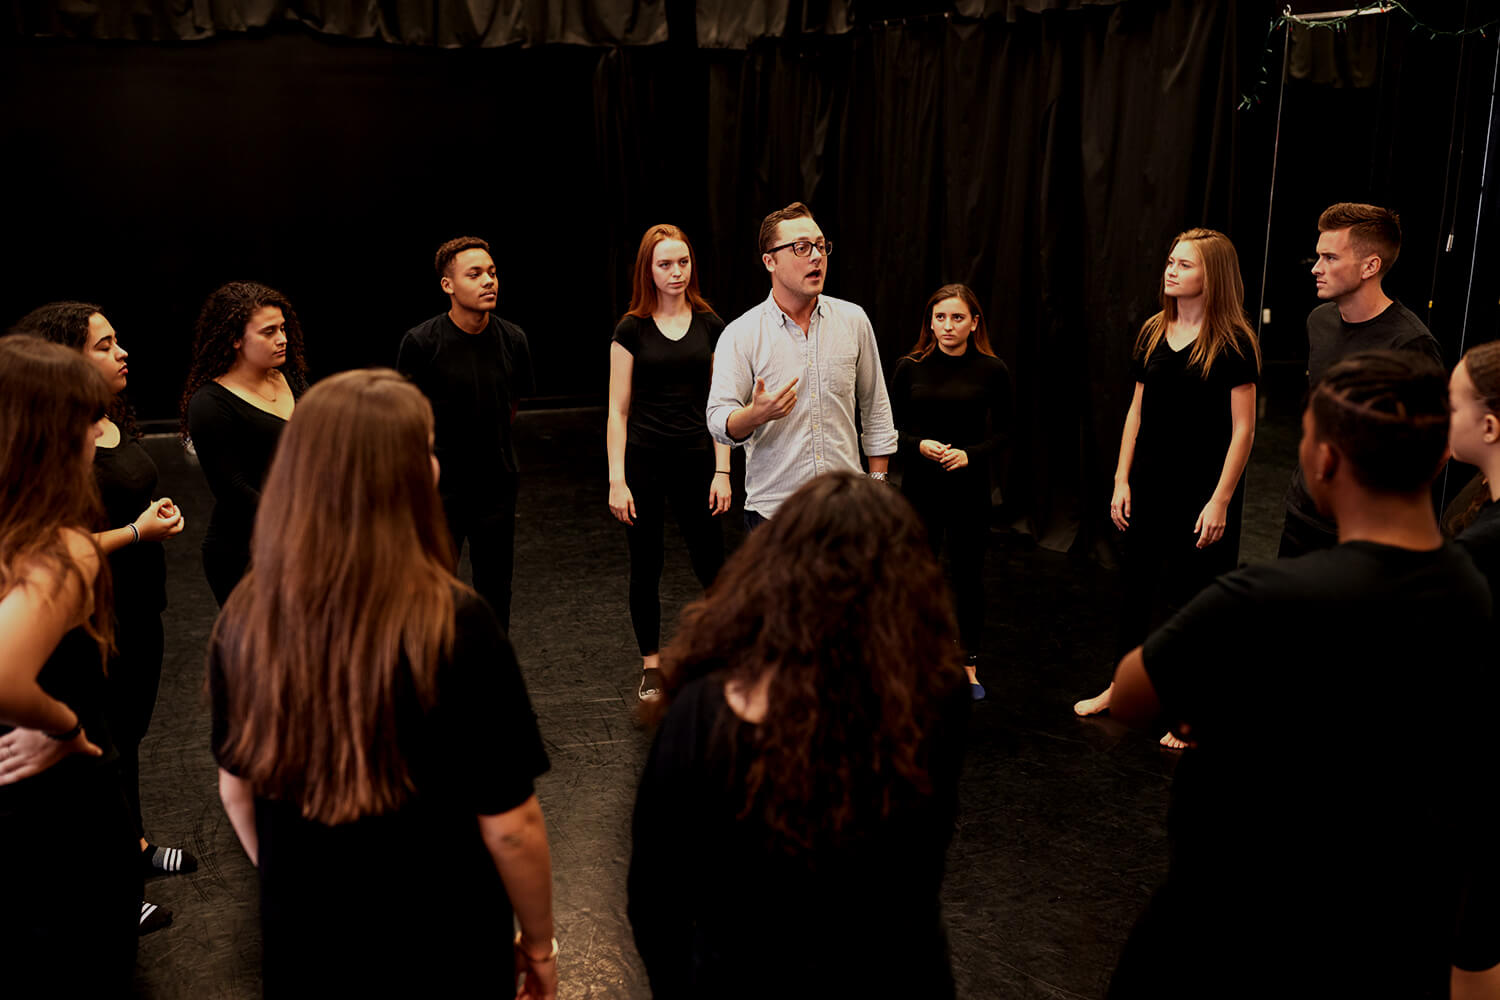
234 441
964 402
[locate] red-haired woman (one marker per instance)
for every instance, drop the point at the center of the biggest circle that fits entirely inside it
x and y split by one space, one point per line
72 873
375 742
951 401
660 365
804 781
1179 481
247 373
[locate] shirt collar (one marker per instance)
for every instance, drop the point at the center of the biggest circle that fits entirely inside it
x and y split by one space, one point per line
821 309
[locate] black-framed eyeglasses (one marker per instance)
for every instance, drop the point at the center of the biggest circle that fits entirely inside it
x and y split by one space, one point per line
804 248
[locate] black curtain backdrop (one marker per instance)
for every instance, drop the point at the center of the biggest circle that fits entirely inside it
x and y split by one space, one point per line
1046 162
1043 158
447 23
1385 114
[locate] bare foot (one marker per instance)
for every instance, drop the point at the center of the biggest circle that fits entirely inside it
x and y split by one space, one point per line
1173 743
1095 705
970 669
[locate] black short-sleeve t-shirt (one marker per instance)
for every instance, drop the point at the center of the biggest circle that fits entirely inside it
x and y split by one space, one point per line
1330 340
669 381
397 899
1186 422
1322 821
474 381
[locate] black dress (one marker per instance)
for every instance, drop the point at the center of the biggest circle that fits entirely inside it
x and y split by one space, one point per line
235 442
409 902
69 860
964 402
127 479
714 908
1185 430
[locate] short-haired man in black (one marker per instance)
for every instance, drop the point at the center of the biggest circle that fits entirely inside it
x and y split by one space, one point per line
474 367
1327 809
1357 246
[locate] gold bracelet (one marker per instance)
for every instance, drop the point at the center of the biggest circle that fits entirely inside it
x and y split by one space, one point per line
549 958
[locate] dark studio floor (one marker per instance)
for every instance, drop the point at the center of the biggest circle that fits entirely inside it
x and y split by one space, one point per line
1061 836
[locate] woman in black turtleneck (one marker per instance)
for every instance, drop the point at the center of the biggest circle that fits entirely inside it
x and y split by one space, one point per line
951 398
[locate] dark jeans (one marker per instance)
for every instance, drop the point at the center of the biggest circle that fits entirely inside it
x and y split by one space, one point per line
656 478
753 520
134 676
487 519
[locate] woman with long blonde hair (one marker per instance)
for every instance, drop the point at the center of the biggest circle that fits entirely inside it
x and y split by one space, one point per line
72 874
376 745
660 364
1179 480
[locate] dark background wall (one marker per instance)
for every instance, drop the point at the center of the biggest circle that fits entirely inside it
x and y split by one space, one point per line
1044 158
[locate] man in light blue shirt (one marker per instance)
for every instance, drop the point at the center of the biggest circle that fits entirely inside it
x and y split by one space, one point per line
790 373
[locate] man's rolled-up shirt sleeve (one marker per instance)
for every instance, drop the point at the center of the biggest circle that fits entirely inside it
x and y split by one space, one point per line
879 428
733 386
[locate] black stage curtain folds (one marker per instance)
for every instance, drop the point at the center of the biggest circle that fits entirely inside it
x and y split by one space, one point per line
454 23
446 23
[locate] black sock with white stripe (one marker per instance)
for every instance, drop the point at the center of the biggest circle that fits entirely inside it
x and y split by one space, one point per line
167 859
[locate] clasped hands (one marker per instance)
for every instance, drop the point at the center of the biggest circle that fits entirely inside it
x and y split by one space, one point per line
949 457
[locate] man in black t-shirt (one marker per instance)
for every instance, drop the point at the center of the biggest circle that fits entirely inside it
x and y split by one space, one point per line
1326 815
474 367
1357 245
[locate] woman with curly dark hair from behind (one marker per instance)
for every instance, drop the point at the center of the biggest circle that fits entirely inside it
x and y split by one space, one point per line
797 805
247 373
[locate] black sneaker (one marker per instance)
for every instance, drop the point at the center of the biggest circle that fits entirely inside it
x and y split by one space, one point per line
650 684
153 917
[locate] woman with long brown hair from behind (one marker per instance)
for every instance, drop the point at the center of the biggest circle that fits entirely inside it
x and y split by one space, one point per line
367 708
796 807
1179 482
72 875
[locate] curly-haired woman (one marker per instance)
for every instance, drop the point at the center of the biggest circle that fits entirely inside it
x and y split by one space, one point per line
136 523
797 805
247 373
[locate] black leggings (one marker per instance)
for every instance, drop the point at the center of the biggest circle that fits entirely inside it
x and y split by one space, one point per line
958 517
657 477
134 676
